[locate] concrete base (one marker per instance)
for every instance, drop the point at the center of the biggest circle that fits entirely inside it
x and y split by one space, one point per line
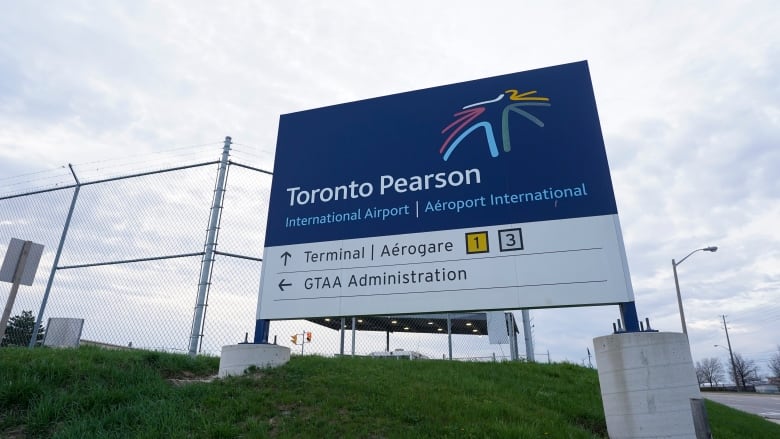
647 383
235 359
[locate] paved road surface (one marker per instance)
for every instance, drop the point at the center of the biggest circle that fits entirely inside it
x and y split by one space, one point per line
766 406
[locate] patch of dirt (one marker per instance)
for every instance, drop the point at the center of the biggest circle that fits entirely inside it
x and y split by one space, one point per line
178 382
14 433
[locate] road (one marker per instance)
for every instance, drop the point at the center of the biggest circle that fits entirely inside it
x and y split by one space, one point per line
766 406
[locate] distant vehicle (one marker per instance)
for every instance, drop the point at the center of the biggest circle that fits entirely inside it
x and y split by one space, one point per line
767 388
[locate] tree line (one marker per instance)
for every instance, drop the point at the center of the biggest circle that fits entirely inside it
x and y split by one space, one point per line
742 371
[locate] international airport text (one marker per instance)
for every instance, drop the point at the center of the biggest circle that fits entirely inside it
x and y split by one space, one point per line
439 206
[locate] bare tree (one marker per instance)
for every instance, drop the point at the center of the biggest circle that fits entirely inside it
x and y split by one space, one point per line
746 371
709 370
774 366
700 374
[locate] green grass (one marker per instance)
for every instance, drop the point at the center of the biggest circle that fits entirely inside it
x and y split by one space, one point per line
727 423
90 392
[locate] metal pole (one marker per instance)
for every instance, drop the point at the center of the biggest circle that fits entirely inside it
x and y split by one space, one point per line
56 261
16 280
629 316
731 354
679 298
209 248
711 248
529 341
449 334
514 337
353 336
341 347
510 331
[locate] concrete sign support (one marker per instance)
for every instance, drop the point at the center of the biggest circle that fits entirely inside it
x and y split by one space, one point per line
648 385
19 267
492 194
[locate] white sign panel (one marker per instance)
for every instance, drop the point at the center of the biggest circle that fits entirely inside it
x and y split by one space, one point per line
11 260
530 265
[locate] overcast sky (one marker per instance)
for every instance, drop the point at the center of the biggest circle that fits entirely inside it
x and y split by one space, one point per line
688 96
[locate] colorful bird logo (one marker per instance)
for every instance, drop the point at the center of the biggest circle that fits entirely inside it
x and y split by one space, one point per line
462 126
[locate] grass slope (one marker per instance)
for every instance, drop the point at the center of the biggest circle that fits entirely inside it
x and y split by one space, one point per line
91 392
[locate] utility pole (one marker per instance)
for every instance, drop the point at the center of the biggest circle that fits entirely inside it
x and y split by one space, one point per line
590 364
731 354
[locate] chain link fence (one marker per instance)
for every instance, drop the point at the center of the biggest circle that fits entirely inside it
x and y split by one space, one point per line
132 255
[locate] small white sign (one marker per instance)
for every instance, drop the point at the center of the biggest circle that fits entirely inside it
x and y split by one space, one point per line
63 332
497 330
11 261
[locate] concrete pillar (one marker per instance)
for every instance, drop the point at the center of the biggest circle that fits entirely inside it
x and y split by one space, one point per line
235 359
647 382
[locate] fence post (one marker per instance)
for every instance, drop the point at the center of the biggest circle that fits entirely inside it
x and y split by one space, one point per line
209 248
341 331
449 335
529 341
353 336
54 264
510 331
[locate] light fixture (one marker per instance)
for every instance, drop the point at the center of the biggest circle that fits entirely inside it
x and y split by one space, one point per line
468 324
430 323
406 328
711 248
394 322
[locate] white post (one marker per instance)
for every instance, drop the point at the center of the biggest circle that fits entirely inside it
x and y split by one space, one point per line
529 341
209 249
17 279
353 336
510 331
449 334
341 333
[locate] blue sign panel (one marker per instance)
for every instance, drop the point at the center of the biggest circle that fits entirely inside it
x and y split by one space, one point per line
517 148
489 194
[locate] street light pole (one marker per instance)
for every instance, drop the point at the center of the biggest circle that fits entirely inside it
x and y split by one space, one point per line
677 283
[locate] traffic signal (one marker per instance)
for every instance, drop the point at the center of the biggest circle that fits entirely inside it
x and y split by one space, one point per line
308 336
294 339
